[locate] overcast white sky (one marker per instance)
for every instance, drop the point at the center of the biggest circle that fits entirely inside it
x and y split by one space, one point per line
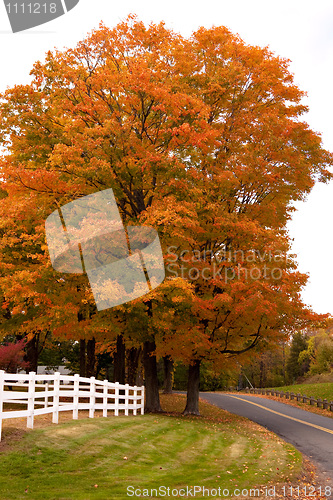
297 29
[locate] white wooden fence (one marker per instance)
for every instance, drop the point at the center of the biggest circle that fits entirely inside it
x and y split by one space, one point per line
42 394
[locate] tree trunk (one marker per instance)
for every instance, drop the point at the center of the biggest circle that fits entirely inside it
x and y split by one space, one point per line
119 361
240 382
108 372
91 360
31 355
133 355
151 382
168 375
284 364
139 381
262 374
192 402
119 365
82 358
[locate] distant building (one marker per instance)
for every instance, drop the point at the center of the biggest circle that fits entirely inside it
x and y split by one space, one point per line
49 370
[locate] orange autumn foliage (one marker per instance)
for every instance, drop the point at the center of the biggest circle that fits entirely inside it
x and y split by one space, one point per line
200 137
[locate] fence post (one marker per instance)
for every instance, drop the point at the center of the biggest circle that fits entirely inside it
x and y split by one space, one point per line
2 389
76 390
325 404
319 403
116 399
105 397
142 399
126 399
331 406
31 400
56 393
92 397
135 400
46 400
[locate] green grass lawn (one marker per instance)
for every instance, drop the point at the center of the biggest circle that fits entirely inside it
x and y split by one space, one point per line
99 458
322 390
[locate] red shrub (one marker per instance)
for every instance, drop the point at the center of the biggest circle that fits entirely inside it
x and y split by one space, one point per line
11 357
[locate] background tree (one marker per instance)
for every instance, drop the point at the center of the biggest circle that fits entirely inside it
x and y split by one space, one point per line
318 354
297 367
267 367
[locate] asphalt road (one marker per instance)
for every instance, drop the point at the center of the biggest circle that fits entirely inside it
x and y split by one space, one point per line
310 433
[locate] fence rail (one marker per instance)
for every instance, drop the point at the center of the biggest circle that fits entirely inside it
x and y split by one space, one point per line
41 394
320 403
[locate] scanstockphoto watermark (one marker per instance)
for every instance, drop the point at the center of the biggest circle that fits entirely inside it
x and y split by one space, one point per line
26 14
249 265
199 492
88 236
220 492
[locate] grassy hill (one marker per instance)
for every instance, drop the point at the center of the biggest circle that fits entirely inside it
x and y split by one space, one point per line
100 458
322 390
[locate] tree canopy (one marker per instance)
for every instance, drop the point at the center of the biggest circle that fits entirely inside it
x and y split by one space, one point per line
199 137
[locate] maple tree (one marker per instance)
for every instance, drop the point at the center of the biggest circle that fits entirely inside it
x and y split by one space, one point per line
199 137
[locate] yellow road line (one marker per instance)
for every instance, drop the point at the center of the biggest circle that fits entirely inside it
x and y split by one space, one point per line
283 415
